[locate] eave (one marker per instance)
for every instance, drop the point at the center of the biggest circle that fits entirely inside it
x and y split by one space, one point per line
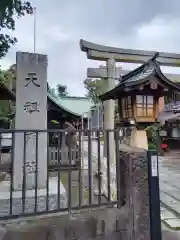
126 85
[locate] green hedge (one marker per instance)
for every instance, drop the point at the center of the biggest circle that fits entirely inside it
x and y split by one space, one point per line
152 146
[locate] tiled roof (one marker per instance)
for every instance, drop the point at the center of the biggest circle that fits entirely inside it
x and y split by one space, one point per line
172 106
147 71
74 105
140 75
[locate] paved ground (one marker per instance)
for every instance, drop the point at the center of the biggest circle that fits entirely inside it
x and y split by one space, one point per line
169 173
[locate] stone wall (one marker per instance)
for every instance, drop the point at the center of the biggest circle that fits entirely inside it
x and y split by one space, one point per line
98 224
134 194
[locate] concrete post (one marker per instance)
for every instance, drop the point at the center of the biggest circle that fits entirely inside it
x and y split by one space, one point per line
82 156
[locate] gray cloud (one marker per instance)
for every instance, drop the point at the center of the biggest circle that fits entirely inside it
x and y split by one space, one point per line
126 23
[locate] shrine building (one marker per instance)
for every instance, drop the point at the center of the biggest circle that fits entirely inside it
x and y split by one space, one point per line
60 109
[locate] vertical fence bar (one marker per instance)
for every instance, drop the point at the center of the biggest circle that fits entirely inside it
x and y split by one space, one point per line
99 166
154 196
0 145
59 164
36 172
24 173
108 165
47 181
69 170
90 166
81 192
118 177
82 159
11 173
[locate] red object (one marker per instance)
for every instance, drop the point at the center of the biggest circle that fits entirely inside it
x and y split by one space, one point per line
164 146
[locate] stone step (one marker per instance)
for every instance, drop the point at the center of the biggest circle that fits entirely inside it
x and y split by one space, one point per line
169 219
166 214
170 189
171 203
170 211
173 223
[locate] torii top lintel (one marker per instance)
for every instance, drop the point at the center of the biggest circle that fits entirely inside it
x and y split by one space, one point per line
142 76
103 53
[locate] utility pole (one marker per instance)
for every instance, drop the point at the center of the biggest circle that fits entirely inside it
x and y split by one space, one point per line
34 29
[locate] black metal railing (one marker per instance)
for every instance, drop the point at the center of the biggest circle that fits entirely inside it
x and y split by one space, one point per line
27 185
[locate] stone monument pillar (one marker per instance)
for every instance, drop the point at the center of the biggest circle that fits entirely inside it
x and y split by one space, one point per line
31 114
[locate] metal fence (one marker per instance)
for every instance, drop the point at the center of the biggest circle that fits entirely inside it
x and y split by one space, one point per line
28 187
62 155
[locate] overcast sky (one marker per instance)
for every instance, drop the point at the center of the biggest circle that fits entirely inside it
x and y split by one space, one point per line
140 24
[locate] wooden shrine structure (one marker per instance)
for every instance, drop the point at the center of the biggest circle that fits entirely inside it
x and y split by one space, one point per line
141 94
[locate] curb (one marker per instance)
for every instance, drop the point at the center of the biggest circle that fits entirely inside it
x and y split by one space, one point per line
165 221
177 214
177 228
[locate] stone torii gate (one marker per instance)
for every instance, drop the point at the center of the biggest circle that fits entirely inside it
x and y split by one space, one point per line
112 55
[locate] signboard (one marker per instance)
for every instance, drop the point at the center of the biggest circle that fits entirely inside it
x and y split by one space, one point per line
154 166
163 133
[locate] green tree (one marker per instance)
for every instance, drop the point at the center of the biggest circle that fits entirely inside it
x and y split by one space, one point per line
96 87
9 10
61 90
93 88
51 90
7 77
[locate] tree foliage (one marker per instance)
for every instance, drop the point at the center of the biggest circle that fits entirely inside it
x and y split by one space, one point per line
8 77
154 140
61 90
7 108
93 88
9 11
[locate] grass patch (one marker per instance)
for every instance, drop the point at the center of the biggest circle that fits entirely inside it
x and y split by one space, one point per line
64 178
74 187
102 139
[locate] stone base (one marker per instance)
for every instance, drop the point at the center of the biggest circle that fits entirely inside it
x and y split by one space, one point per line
139 139
30 199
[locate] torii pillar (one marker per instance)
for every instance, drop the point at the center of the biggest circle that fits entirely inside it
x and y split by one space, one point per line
109 108
109 73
